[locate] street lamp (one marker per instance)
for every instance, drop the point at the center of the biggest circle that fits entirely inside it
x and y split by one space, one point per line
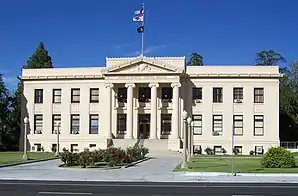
26 121
184 116
189 120
58 132
192 140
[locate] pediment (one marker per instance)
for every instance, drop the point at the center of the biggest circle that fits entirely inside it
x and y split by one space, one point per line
141 67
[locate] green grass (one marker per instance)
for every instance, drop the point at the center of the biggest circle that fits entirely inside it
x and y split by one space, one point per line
17 157
243 164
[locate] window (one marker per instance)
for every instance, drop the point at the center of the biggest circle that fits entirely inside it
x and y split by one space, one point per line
166 126
56 123
217 95
75 95
38 147
57 95
121 125
54 148
197 119
74 147
238 150
259 95
122 95
94 95
166 94
258 125
144 94
259 150
217 125
217 149
38 123
92 146
238 124
75 124
93 128
196 93
238 95
38 94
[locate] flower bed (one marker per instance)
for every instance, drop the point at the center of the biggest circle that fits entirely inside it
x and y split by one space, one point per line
110 157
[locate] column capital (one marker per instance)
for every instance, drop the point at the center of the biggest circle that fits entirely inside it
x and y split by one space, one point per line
176 84
153 84
130 85
109 85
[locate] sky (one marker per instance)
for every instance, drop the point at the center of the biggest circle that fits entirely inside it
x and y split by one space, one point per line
83 33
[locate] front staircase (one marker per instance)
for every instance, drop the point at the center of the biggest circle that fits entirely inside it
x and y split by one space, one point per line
154 145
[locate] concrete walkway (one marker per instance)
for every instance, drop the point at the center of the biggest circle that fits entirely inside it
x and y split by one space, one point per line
158 169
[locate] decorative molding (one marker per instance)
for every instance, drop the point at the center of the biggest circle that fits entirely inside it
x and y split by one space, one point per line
176 84
109 85
142 67
61 77
130 85
153 84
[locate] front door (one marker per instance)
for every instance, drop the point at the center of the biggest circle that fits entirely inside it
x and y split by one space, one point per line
144 126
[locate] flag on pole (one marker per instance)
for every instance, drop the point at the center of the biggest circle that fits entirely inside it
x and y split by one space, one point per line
140 29
138 19
139 11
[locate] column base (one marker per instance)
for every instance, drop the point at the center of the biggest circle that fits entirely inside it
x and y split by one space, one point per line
174 143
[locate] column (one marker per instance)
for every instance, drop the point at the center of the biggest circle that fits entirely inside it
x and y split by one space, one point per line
153 117
109 102
129 115
175 113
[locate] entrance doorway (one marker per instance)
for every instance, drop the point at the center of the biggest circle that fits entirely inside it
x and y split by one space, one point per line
144 126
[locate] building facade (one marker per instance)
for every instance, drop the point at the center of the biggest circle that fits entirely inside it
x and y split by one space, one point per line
141 100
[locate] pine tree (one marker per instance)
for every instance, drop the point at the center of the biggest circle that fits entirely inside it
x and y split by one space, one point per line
39 59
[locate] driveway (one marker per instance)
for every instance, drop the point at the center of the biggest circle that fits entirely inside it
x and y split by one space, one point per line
159 167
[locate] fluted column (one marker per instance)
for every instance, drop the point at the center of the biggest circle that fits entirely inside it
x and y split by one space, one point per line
153 118
175 113
109 88
129 116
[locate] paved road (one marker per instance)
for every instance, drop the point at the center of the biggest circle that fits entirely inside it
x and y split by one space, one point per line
44 188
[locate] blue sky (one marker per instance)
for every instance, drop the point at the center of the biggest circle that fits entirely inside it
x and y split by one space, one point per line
82 33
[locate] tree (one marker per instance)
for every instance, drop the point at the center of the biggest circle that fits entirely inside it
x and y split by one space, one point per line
4 112
39 59
195 60
269 57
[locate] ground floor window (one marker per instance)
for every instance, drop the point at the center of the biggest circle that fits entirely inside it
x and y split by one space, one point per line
259 150
166 126
217 149
121 126
74 147
37 147
238 150
54 147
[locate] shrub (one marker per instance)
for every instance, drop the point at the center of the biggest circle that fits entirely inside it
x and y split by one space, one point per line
252 152
278 157
209 151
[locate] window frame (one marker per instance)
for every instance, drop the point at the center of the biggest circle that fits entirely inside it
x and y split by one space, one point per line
92 96
197 93
38 96
72 118
122 95
74 95
217 120
121 128
234 124
57 95
259 97
256 127
166 94
238 93
164 133
36 124
217 94
198 120
92 128
145 90
54 123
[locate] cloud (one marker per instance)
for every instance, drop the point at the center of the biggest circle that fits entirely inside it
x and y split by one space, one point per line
124 45
148 50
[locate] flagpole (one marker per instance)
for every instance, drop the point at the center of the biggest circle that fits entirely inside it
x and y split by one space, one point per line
142 51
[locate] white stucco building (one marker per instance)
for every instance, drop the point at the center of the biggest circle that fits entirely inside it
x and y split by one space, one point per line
144 97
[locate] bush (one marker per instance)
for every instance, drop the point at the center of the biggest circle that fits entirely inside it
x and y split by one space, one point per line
209 151
252 152
278 157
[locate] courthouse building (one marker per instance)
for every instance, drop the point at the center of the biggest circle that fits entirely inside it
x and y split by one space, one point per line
141 100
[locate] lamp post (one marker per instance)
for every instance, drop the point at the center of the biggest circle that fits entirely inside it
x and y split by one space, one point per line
191 140
184 116
58 133
189 120
26 121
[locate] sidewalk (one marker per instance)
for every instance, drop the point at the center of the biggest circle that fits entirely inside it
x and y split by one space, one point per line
158 169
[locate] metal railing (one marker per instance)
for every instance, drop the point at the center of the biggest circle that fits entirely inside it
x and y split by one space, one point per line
289 145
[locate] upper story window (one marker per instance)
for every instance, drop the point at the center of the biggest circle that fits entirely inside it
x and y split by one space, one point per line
122 95
38 96
217 95
75 95
258 95
197 94
38 123
238 95
166 93
57 93
94 95
217 125
144 94
75 124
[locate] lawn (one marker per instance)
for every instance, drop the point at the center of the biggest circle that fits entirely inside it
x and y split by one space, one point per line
16 157
243 164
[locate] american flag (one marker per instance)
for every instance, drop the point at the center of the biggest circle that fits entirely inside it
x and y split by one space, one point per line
140 11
